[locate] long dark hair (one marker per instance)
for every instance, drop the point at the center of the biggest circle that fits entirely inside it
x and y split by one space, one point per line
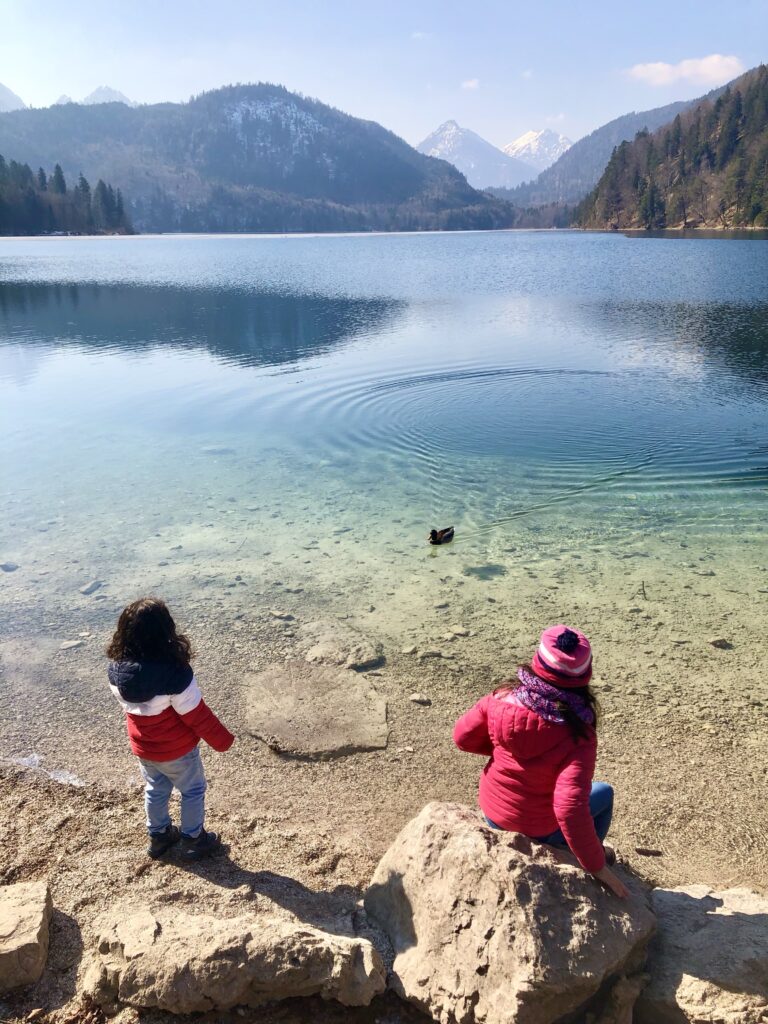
146 632
579 729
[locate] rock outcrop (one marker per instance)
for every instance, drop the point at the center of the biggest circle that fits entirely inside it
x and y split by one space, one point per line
187 963
709 961
25 915
489 927
315 711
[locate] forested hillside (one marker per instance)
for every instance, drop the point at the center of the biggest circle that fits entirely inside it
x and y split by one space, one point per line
251 158
709 168
578 170
34 204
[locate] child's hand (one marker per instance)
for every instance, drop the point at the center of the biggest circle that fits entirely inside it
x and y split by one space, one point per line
612 882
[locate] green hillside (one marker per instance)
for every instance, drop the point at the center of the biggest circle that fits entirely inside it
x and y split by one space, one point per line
708 168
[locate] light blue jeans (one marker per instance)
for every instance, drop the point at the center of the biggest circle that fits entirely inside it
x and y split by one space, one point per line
160 777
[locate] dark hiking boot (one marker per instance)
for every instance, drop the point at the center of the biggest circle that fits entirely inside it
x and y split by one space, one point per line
610 856
204 845
161 842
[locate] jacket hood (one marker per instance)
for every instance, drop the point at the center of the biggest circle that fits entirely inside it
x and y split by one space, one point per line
522 732
140 681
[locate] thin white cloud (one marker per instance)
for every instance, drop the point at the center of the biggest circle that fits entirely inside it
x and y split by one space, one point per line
712 70
419 35
527 73
471 83
555 118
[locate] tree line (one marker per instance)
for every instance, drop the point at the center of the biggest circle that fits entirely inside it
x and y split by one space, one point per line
40 203
709 167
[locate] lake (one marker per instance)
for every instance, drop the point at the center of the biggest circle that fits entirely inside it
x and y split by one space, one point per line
251 421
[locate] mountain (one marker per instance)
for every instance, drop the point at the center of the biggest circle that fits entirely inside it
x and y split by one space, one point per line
578 170
538 149
709 168
106 95
10 101
63 99
483 165
251 158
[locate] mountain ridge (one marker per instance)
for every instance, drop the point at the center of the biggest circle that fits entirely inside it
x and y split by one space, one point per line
251 158
483 164
540 149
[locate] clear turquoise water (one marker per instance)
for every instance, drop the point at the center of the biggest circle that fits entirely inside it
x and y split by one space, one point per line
178 409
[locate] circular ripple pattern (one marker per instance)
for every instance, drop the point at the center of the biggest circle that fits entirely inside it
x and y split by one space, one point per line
555 433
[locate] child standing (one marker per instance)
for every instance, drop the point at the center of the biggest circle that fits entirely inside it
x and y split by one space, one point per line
151 677
539 734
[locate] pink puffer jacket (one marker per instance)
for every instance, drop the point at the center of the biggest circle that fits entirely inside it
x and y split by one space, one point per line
538 778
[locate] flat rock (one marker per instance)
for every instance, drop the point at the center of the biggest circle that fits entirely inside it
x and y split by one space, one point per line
488 927
709 961
282 616
8 566
410 649
25 915
315 711
341 645
91 588
70 645
420 698
184 963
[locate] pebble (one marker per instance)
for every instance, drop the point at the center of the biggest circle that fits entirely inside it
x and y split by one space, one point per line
705 572
420 698
433 654
440 604
678 640
91 588
409 650
8 566
283 616
459 630
69 645
721 643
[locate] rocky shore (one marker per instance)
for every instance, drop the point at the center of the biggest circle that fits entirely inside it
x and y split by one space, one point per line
343 737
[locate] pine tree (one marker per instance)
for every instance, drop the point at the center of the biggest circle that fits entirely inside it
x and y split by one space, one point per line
58 184
42 180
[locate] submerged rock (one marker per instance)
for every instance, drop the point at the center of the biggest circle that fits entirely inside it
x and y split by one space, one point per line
315 711
8 566
709 961
185 963
25 915
489 927
340 645
91 588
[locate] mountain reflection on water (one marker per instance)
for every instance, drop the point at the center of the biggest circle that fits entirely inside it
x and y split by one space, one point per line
243 328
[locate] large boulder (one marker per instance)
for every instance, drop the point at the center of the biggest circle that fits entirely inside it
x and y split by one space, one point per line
25 916
709 961
187 963
489 927
315 711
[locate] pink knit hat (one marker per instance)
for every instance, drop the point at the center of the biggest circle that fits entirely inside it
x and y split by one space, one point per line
565 651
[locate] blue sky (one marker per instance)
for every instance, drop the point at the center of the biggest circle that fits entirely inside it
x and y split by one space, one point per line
499 68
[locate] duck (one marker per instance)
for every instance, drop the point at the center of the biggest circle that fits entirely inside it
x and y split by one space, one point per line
441 536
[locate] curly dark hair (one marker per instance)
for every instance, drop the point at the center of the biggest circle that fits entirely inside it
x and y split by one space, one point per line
146 632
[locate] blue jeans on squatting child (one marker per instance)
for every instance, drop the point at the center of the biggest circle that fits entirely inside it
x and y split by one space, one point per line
600 807
160 777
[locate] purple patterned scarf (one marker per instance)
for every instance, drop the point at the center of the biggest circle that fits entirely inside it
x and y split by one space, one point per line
543 698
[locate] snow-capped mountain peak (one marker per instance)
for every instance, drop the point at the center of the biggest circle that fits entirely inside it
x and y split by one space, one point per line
539 149
105 94
10 101
482 164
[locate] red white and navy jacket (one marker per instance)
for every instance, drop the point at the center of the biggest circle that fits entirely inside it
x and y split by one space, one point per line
164 710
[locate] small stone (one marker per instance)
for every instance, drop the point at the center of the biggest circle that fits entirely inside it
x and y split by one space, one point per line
705 572
91 588
679 640
409 650
420 698
84 635
433 654
70 645
283 616
721 644
459 630
8 566
440 604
